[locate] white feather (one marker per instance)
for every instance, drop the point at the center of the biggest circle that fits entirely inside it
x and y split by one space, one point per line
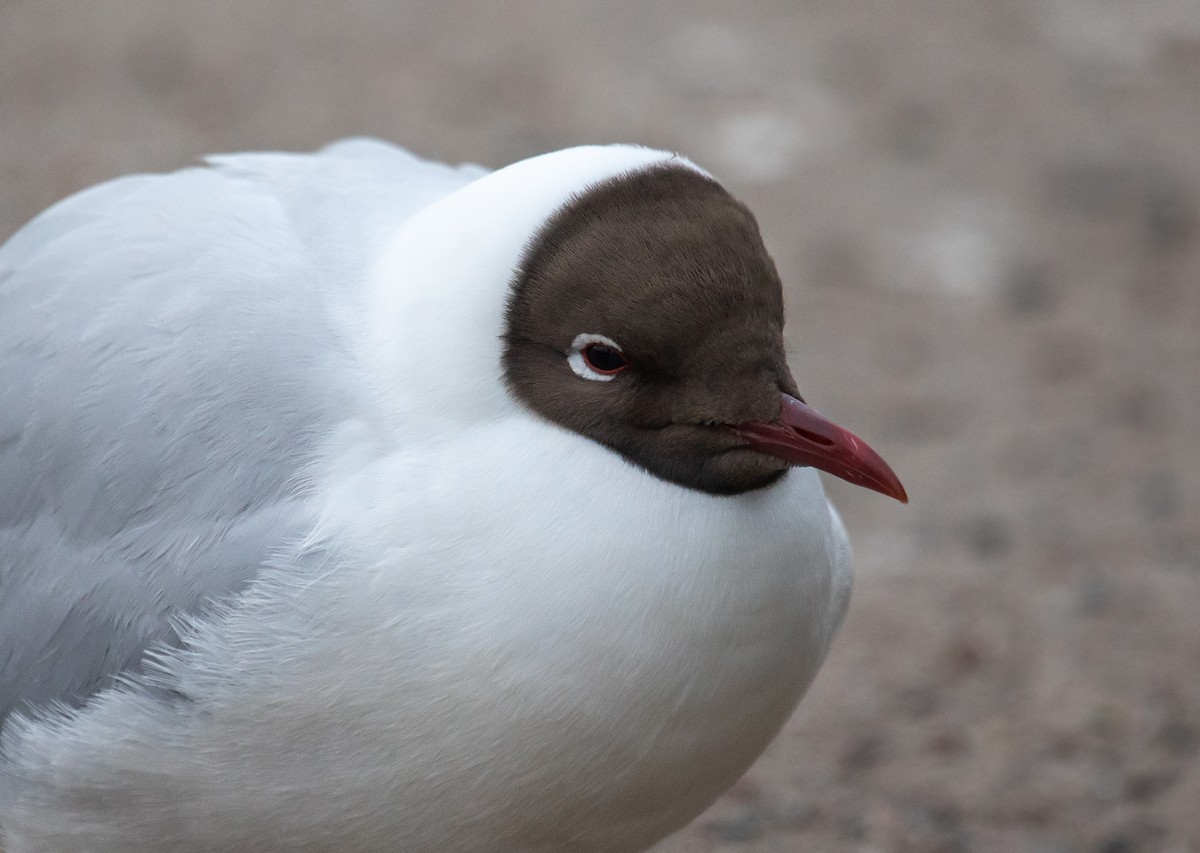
493 635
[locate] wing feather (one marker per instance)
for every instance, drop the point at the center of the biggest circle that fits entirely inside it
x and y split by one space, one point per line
170 360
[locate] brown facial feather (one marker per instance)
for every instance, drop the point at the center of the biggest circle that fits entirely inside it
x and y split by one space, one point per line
672 268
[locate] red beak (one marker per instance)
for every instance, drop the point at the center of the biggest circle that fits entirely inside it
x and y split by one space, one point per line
803 437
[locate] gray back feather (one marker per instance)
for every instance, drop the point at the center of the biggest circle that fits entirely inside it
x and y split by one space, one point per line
171 358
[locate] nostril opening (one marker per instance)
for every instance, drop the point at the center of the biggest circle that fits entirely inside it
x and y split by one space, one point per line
814 437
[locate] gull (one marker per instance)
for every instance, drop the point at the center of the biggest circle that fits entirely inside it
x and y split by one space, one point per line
356 502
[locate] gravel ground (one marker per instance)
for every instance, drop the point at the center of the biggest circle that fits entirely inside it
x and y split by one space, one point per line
988 216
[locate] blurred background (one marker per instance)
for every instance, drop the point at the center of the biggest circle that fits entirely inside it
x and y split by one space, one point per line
986 213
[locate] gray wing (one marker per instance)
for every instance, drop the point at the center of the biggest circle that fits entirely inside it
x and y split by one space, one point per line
169 361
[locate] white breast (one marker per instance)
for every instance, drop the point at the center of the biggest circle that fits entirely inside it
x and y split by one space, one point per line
565 645
488 667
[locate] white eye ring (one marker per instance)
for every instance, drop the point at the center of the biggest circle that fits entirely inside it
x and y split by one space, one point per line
579 363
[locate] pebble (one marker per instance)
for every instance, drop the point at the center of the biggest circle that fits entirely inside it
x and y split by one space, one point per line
744 826
1169 219
989 536
865 752
1027 291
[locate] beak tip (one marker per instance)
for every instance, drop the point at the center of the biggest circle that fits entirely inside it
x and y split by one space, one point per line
889 485
805 438
895 489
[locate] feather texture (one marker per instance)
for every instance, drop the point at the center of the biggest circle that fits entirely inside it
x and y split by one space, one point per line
284 567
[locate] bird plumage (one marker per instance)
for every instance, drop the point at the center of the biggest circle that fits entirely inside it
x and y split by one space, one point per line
285 566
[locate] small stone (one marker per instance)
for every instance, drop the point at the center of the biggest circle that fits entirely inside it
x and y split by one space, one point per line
1179 738
1107 786
989 536
1179 552
1046 845
1064 357
1159 495
941 829
1095 594
965 654
917 701
1141 833
1027 290
1169 219
746 825
1142 407
1092 188
864 753
853 825
947 744
796 815
1117 843
1064 746
1147 784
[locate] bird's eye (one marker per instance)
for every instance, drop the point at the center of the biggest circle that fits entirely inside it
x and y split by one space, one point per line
596 357
604 359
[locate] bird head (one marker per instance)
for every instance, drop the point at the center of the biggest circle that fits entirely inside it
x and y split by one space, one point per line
647 315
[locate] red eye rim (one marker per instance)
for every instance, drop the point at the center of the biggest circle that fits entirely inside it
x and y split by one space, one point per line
587 351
